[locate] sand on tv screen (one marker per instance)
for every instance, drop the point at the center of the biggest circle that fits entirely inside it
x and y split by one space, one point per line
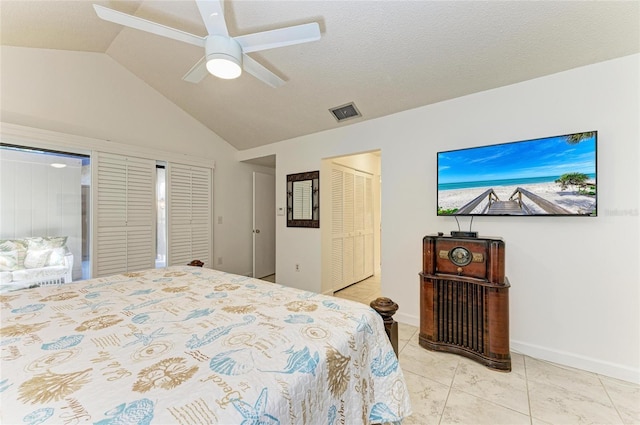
547 176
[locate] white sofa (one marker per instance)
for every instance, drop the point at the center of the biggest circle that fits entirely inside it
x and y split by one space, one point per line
34 261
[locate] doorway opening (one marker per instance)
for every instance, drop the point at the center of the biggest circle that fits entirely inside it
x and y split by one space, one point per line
351 206
47 193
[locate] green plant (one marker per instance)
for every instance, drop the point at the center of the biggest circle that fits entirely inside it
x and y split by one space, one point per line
574 139
587 189
572 179
450 211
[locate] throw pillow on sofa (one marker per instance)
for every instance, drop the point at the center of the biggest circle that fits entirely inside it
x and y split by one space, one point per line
8 260
36 258
56 258
48 242
41 249
17 245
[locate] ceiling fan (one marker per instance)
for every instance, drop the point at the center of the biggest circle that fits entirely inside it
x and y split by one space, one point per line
225 56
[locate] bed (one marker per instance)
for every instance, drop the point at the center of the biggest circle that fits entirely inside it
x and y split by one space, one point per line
190 345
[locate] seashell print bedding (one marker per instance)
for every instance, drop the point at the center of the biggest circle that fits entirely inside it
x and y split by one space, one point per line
188 345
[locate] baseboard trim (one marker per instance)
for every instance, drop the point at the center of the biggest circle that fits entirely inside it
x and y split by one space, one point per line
590 364
407 319
577 361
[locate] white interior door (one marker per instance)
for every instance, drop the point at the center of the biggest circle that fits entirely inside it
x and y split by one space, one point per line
264 225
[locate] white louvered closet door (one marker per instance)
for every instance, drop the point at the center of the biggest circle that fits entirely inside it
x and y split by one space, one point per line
125 198
348 276
189 214
337 232
358 236
352 246
368 228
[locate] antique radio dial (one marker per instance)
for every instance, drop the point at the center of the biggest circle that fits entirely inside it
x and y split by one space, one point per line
460 256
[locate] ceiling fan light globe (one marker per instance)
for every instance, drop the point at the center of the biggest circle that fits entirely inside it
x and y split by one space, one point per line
223 67
224 57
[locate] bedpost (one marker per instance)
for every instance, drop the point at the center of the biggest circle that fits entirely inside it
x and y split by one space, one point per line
386 308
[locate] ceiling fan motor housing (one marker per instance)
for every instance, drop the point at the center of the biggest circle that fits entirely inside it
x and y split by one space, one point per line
224 56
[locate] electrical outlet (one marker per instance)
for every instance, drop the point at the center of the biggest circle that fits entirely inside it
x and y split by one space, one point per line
297 267
219 260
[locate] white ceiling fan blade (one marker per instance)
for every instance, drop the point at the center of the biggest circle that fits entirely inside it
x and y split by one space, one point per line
197 72
260 72
212 12
279 38
147 26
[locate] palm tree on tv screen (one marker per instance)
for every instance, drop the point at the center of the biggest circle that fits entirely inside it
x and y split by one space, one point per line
574 139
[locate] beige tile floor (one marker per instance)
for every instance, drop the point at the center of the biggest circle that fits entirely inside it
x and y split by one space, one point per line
450 389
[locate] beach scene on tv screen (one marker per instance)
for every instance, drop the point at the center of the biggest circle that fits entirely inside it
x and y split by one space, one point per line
547 176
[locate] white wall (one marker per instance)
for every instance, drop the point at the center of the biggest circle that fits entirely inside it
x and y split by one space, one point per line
90 95
574 299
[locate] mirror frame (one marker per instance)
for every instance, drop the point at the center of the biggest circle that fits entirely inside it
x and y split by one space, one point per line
314 176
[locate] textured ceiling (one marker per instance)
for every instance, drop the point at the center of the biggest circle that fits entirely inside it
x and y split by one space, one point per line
386 56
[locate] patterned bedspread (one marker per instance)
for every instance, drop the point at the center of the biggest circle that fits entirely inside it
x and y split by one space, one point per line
187 345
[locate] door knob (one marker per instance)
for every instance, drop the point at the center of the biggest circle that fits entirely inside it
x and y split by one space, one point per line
257 230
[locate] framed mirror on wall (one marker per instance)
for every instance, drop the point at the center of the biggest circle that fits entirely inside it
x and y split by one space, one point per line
303 199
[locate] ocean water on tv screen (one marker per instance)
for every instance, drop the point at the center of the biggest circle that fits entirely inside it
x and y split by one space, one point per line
504 182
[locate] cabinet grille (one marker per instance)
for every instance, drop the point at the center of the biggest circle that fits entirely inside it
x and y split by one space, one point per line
461 314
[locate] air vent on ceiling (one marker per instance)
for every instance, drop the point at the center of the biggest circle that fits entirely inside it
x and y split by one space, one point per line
345 112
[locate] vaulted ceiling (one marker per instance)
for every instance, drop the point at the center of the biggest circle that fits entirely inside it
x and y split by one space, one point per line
386 56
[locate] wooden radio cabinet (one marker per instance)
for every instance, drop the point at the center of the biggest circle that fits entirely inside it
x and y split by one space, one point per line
464 299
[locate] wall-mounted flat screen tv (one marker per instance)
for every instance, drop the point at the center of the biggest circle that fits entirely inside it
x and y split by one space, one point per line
551 176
